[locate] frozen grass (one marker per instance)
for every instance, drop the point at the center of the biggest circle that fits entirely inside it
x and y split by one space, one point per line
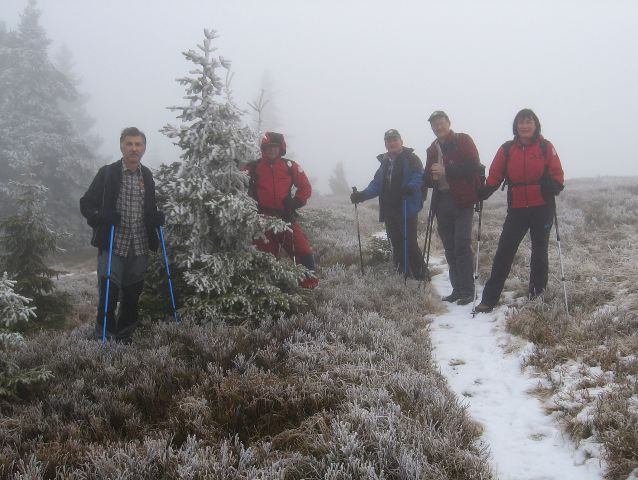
346 389
589 359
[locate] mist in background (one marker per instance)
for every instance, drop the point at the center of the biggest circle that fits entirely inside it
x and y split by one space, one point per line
340 73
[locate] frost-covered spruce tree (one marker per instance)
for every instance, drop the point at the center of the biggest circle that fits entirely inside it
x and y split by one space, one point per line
14 309
36 135
211 219
26 240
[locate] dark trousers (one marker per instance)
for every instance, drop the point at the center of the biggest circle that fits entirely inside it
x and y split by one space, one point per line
455 230
395 230
538 220
127 282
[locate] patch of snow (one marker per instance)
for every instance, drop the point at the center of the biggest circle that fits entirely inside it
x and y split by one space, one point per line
483 365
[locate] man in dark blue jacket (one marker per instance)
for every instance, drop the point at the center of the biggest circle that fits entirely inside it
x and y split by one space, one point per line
122 195
398 179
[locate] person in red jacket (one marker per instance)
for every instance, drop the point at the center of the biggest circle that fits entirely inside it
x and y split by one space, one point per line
272 179
453 170
532 170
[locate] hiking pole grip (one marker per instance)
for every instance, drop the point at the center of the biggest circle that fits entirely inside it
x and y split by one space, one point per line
356 215
168 272
108 284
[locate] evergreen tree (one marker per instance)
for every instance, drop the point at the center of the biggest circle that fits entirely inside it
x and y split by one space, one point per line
26 240
211 219
337 181
36 136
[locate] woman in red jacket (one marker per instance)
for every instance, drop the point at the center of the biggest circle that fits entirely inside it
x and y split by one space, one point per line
532 170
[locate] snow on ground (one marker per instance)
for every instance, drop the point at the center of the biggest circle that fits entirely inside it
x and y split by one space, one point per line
482 363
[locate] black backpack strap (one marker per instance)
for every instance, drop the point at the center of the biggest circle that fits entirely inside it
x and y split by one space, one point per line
506 151
252 184
289 164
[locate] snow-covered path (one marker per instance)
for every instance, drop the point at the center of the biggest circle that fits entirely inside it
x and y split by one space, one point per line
482 363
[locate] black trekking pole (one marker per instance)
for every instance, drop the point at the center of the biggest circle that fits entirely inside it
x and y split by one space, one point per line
168 273
479 209
560 257
428 231
108 284
405 240
356 216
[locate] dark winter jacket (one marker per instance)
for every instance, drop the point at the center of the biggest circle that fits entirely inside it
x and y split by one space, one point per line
271 183
462 168
102 197
525 171
407 171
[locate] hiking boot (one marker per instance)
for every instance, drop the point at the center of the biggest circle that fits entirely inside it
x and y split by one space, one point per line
483 308
452 297
464 300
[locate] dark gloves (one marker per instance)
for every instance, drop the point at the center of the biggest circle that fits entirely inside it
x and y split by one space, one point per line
292 203
155 219
407 191
485 191
550 187
105 217
357 197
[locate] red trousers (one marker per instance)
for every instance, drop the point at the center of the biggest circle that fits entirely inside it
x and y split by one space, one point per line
294 243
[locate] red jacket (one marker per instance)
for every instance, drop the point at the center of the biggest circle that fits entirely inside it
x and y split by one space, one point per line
525 167
461 161
272 182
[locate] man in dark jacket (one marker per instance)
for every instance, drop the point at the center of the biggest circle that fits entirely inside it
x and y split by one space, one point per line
122 195
452 170
397 183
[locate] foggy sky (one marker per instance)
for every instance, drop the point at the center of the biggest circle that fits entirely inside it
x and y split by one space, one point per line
345 71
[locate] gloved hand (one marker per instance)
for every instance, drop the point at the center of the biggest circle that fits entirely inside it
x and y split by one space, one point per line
485 191
550 187
357 197
292 203
105 217
155 219
407 191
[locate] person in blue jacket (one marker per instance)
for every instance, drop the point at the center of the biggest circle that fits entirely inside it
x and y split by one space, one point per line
398 178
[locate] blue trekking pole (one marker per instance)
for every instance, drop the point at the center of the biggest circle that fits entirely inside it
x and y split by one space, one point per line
405 240
108 284
168 272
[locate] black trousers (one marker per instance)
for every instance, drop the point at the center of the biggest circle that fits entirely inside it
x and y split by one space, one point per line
455 230
126 285
394 228
538 220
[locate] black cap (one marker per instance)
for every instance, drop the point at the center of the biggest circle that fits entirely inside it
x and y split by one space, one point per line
392 133
438 113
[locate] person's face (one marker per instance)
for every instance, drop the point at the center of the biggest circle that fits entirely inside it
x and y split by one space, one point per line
271 152
440 127
133 148
526 128
394 145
